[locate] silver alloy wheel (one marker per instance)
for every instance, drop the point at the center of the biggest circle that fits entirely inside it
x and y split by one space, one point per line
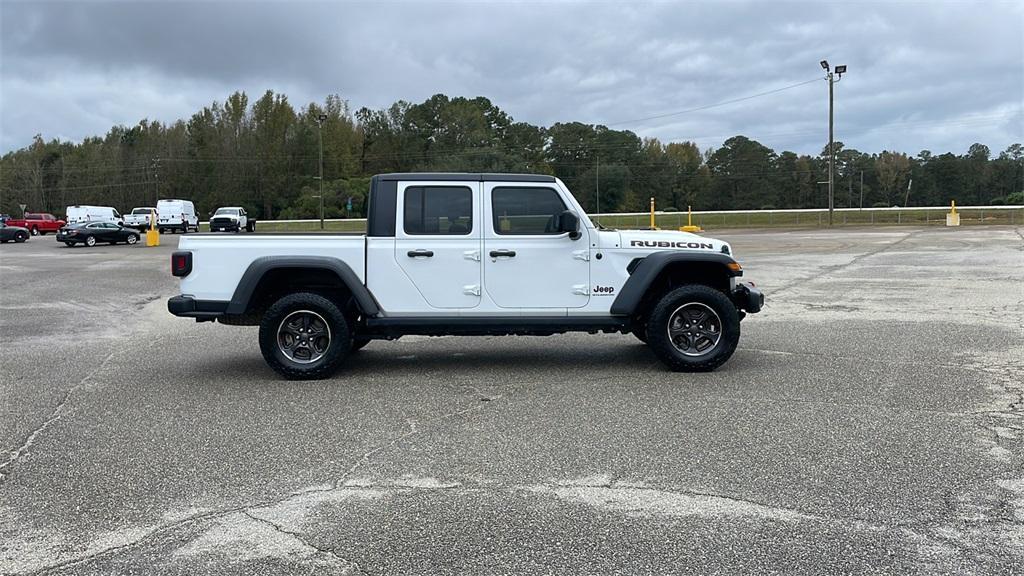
132 239
304 336
90 241
694 329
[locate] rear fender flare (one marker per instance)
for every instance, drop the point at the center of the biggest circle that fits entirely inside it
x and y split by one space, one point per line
258 269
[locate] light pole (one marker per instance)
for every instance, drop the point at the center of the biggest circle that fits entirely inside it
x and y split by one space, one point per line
320 130
839 71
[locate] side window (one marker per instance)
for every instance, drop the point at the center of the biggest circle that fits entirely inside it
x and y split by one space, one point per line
526 211
438 210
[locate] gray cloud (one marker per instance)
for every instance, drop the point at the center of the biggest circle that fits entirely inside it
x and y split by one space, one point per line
922 75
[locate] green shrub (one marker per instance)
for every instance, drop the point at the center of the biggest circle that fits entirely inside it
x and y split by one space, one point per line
1015 198
997 201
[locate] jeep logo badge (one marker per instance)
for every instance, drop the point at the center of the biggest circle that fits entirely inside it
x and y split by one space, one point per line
604 290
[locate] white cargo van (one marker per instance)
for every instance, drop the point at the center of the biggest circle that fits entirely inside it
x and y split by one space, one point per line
177 215
92 214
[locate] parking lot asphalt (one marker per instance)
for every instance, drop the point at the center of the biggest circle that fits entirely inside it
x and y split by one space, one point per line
871 421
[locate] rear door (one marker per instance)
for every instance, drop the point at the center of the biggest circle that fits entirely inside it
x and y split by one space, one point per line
438 240
527 262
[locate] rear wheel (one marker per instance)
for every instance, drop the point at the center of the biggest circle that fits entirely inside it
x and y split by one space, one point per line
694 328
35 231
304 336
21 236
90 241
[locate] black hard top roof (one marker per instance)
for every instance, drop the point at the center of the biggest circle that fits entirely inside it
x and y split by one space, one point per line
465 177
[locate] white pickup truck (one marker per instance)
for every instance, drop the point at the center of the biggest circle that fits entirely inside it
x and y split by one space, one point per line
139 218
232 219
466 254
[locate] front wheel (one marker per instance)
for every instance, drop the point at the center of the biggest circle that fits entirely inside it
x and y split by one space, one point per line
694 328
304 336
132 239
21 237
35 231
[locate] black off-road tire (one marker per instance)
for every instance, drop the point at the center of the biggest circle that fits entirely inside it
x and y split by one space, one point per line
340 337
658 328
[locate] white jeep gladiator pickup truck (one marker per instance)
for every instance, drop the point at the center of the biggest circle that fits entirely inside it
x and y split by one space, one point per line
466 254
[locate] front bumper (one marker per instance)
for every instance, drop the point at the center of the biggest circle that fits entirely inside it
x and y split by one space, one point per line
188 307
747 298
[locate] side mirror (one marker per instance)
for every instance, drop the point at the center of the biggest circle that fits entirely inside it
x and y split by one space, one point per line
569 222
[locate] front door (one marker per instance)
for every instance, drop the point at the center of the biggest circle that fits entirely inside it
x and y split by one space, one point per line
528 263
437 241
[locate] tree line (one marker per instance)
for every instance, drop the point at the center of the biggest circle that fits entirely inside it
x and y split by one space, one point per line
265 156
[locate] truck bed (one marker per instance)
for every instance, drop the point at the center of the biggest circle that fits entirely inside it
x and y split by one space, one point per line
219 260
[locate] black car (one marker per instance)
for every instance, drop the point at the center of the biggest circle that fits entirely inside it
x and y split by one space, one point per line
15 233
89 233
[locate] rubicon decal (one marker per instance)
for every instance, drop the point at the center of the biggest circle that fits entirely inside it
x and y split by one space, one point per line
667 244
604 290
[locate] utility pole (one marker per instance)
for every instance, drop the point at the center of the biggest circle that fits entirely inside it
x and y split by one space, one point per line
155 164
320 130
831 150
597 179
849 191
861 189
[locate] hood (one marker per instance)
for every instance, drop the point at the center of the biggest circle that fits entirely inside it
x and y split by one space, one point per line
651 240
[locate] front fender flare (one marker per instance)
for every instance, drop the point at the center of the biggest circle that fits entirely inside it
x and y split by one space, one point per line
254 273
650 267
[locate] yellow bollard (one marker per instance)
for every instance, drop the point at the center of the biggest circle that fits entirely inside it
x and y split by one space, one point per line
953 218
653 227
689 222
152 235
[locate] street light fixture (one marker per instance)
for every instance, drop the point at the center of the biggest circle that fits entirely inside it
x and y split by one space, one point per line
320 129
840 70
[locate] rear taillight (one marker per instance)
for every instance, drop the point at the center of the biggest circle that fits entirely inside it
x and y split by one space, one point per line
181 263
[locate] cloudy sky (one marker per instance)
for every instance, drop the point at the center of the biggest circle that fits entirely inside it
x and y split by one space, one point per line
922 75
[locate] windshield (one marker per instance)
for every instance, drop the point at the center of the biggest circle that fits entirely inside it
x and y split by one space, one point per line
228 211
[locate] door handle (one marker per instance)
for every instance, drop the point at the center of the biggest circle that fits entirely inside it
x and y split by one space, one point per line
420 253
507 253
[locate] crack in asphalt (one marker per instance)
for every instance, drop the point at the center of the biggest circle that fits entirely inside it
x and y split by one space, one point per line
56 414
349 564
821 273
245 508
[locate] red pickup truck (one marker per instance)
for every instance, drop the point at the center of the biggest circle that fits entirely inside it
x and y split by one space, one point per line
37 223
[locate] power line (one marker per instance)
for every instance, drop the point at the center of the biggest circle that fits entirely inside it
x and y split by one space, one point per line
715 105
